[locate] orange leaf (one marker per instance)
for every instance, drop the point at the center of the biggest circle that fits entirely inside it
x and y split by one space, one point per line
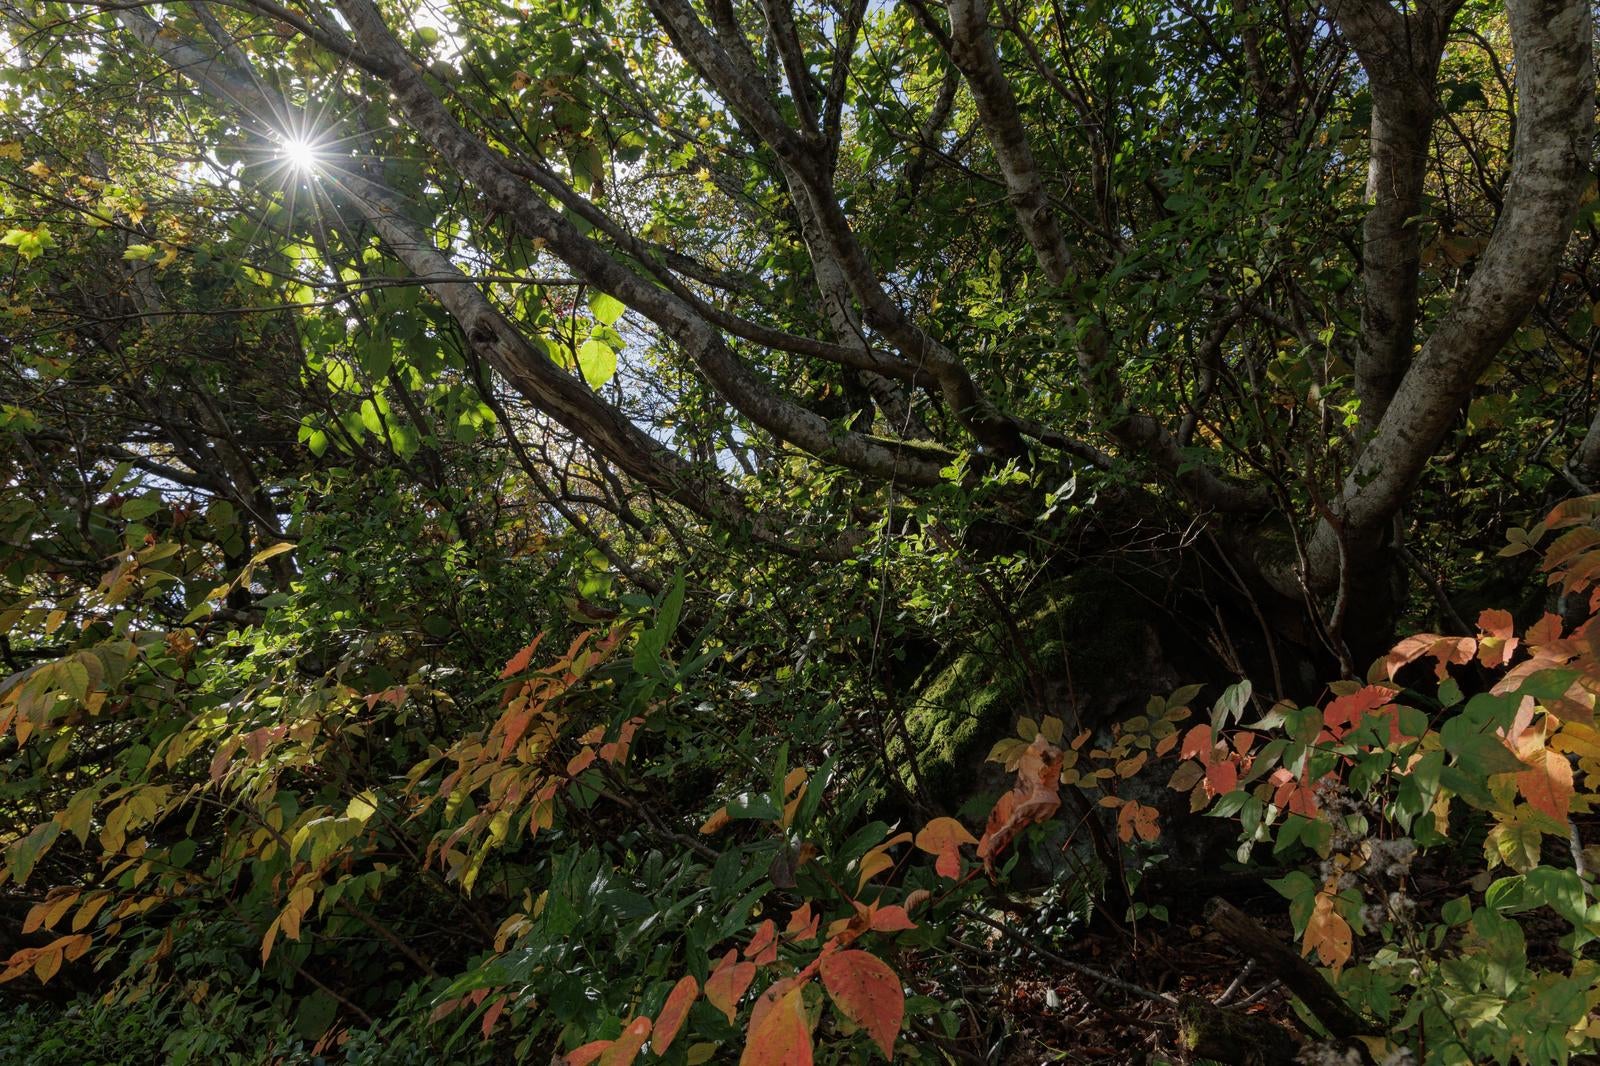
519 662
1327 933
626 1047
580 762
1547 783
74 946
802 923
1135 818
1292 794
867 992
1128 767
891 919
728 982
720 818
943 837
1445 650
582 1056
780 1034
1197 743
1495 652
673 1013
1346 712
1035 798
1546 630
763 947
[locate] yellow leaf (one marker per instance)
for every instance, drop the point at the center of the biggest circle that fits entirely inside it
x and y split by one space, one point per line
1327 933
266 941
47 965
275 550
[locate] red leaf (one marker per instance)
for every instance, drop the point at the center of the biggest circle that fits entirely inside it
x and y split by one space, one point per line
1347 711
867 992
492 1015
673 1013
728 982
1222 777
943 837
780 1034
763 947
1292 794
1197 743
219 761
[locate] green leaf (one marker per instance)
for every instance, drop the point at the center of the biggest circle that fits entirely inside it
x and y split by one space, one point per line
29 243
371 418
22 855
1507 894
597 362
138 509
1230 705
757 806
647 653
606 308
138 253
1480 754
1457 911
1560 890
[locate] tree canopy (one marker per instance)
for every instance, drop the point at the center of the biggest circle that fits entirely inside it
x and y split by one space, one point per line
521 519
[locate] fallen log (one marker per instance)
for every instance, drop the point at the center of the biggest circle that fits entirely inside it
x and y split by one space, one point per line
1276 959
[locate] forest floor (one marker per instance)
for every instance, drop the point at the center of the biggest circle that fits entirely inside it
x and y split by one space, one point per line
1073 1018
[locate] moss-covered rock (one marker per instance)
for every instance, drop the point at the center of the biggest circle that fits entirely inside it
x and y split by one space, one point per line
1091 640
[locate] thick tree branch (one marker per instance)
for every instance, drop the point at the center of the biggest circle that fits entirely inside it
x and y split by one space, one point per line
1401 55
1550 166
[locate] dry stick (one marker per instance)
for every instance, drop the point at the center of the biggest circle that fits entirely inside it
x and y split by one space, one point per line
1258 995
1229 992
1283 962
1076 967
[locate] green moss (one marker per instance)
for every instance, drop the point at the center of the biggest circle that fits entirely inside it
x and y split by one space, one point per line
1084 624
